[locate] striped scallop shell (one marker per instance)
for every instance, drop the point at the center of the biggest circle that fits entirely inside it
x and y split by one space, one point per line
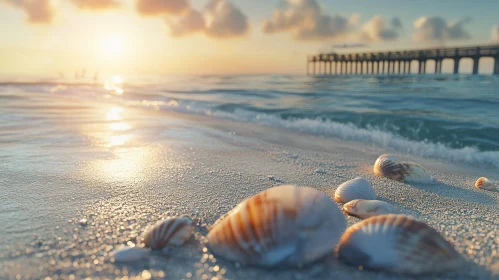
281 226
358 188
397 243
169 232
364 209
130 254
484 183
404 171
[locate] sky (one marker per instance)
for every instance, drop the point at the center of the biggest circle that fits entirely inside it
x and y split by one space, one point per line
144 37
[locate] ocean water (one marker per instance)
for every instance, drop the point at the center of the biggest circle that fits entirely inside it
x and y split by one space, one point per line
454 118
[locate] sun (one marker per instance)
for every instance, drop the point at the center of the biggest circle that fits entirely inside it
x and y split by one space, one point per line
113 46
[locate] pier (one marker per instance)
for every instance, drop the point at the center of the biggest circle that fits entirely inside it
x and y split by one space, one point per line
398 62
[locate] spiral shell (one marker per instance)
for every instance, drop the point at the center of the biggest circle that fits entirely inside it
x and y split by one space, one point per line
281 226
397 243
364 209
172 231
358 188
404 171
484 183
130 254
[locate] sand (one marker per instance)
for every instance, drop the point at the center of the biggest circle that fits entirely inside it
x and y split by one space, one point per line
202 167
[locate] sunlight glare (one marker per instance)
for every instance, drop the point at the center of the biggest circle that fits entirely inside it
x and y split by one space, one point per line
113 46
114 114
118 140
114 84
121 126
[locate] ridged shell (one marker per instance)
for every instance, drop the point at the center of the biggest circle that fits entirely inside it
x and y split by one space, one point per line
404 171
358 188
169 232
281 226
399 244
484 183
130 254
364 209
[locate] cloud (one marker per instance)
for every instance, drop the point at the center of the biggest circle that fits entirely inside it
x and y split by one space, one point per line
96 4
39 11
190 22
376 30
162 7
494 36
219 19
306 20
437 29
224 19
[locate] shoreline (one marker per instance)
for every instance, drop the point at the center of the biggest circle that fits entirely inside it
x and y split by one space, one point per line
203 167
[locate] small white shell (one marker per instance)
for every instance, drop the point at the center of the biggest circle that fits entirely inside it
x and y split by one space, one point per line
399 244
484 183
284 225
364 209
172 231
358 188
404 171
130 254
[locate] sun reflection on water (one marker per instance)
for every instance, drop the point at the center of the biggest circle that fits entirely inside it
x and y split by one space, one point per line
115 84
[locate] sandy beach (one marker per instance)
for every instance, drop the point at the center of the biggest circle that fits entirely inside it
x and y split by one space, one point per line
202 167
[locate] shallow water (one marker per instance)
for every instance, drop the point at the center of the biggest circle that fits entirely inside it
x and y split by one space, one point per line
448 117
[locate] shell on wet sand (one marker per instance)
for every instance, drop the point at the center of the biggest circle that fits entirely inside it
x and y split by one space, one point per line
169 232
484 183
364 209
281 226
358 188
404 171
397 243
130 254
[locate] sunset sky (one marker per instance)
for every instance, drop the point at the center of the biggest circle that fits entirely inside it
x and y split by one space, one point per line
225 36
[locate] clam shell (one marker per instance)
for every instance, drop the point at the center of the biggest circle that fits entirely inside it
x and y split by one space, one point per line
172 231
397 243
281 226
484 183
364 209
358 188
130 254
404 171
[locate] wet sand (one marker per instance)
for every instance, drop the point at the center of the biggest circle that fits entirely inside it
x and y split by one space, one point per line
202 167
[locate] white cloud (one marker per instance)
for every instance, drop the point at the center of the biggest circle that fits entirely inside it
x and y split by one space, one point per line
96 4
437 28
376 30
161 7
38 11
219 19
307 20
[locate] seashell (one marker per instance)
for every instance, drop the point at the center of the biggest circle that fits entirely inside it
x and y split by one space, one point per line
364 209
358 188
130 254
397 243
404 171
172 231
484 183
83 222
281 226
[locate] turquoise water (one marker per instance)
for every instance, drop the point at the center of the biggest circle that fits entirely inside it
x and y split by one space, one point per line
454 118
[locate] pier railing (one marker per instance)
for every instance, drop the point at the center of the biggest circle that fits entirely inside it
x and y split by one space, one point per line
386 62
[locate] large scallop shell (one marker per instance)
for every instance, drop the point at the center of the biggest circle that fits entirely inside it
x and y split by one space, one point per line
130 254
399 244
404 171
284 225
358 188
484 183
364 209
171 231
